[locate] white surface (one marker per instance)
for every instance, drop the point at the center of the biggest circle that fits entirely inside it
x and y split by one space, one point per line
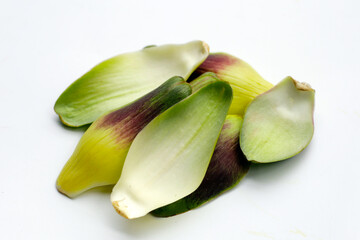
45 45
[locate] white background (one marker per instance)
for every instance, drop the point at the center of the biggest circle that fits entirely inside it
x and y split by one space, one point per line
46 45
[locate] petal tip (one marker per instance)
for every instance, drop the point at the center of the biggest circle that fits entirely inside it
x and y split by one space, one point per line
206 47
118 209
63 192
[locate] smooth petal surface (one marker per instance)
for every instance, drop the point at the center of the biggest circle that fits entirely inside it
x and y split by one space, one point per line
203 80
279 123
244 80
99 157
169 157
227 167
124 78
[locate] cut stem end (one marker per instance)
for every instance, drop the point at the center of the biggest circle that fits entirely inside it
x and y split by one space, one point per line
128 209
303 86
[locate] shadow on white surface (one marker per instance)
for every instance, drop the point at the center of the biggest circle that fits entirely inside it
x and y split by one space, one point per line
147 225
272 172
141 227
74 129
134 228
98 201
